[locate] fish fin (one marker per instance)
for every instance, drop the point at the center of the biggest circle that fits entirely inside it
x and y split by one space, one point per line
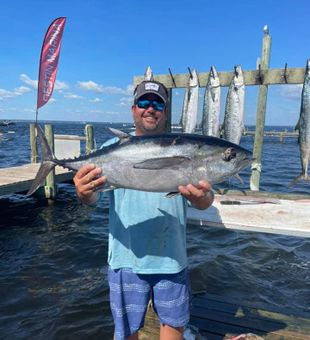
172 194
161 162
297 127
47 153
123 136
239 178
43 171
298 179
48 161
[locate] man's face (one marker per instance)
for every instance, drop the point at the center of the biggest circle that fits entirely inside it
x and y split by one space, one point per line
149 121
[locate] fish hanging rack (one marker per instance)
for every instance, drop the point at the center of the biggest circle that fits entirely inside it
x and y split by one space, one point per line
260 76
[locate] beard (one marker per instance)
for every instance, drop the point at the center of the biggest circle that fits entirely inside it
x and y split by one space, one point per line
150 126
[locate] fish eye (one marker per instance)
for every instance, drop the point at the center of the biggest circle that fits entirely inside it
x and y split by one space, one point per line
229 154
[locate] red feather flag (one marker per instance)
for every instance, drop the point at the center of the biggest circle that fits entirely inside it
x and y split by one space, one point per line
49 60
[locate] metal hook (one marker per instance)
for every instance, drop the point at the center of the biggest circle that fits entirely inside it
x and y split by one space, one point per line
173 81
260 76
285 73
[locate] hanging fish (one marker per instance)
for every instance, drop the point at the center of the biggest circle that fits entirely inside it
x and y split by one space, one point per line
185 101
148 75
211 108
303 126
234 109
190 105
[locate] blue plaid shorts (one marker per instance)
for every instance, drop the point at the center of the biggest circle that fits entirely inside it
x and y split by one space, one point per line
130 294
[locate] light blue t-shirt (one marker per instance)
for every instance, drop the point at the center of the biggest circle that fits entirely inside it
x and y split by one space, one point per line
147 231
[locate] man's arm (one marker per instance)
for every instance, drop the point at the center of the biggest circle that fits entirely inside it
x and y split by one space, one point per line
86 181
200 196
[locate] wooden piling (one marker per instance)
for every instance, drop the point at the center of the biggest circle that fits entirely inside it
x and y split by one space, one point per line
50 184
168 112
260 115
90 144
33 145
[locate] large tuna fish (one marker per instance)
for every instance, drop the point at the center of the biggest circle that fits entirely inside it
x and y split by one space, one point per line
303 126
211 108
158 163
234 109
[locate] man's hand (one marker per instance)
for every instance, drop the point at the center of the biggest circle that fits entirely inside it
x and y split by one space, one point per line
201 196
87 180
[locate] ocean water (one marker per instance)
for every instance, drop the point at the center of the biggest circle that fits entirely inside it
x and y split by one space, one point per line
53 280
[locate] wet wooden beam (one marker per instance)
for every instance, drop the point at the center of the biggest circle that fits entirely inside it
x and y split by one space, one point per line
218 317
260 116
251 77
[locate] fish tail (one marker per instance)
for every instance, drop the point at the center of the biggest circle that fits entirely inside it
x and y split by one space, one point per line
302 177
48 162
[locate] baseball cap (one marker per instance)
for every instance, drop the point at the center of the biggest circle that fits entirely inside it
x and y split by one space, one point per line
151 86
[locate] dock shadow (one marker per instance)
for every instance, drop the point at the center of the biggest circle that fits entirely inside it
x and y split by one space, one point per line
221 317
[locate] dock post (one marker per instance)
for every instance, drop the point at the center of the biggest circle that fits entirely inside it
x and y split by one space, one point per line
33 145
282 134
89 132
169 106
260 115
50 184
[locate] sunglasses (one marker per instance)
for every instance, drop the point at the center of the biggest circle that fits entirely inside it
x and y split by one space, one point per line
145 104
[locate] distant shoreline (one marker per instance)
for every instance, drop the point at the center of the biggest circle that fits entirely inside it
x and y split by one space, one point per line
101 122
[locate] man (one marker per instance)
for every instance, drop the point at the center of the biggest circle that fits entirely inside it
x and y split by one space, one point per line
147 235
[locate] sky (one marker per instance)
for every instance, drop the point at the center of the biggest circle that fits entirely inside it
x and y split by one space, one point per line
106 43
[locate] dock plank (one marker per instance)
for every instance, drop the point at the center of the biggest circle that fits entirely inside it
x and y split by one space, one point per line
217 318
277 218
18 179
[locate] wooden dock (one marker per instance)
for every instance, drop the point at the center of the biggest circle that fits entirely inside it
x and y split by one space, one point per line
217 318
256 213
18 179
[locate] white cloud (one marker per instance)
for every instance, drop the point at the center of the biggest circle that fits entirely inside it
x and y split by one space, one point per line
33 83
96 111
126 101
72 96
92 86
129 90
18 91
96 100
6 94
292 92
21 90
59 85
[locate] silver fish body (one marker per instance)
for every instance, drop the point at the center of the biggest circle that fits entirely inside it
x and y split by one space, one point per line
190 104
184 107
303 126
211 108
158 163
234 108
148 74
